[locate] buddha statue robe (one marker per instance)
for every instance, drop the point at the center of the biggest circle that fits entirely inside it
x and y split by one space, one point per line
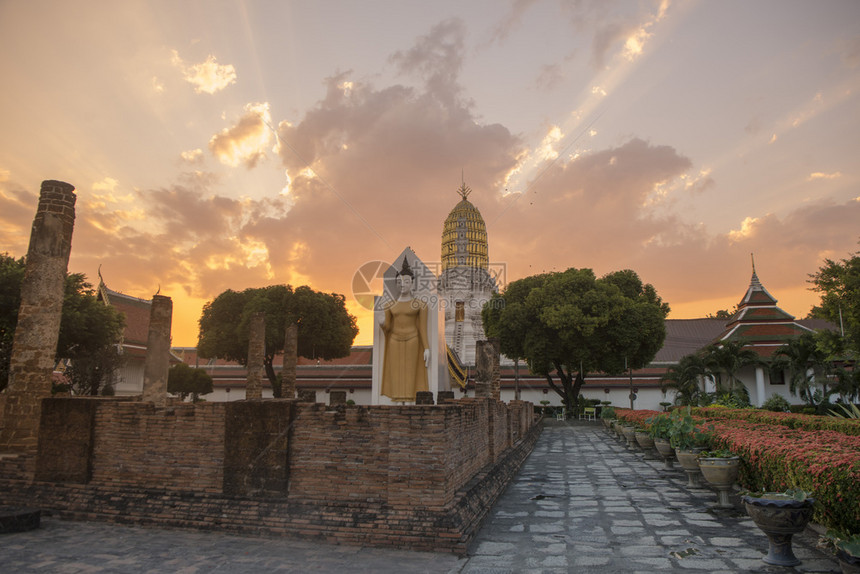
403 369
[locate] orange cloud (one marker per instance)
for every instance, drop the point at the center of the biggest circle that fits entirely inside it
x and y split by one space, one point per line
247 141
208 76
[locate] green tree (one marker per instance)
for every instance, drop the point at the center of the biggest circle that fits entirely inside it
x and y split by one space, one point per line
723 313
325 329
808 367
90 331
725 360
686 379
11 275
184 380
839 286
569 324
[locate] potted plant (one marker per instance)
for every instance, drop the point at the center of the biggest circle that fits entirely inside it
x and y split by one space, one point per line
688 440
720 469
659 428
607 415
629 432
847 550
644 440
780 515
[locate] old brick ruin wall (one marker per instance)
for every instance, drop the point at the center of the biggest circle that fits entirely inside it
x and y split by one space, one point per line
418 477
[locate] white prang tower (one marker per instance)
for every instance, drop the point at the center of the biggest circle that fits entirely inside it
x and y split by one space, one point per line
465 283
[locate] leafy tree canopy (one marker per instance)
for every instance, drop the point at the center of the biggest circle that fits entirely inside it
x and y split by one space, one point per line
184 380
89 329
723 313
839 286
571 323
325 329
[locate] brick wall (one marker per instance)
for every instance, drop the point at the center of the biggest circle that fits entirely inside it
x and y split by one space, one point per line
418 477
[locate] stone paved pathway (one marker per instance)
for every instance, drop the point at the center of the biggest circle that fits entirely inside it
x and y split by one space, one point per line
581 503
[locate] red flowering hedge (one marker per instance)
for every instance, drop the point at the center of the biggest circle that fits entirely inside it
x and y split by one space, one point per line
790 420
777 457
635 417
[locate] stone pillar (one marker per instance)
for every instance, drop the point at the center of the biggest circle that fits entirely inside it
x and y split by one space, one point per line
483 368
35 344
288 373
443 397
759 386
157 362
256 354
423 398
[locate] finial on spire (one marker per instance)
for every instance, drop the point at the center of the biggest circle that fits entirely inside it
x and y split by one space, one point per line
464 190
752 258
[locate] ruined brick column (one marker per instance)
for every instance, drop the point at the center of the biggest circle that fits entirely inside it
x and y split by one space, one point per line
337 398
256 354
288 376
483 368
35 344
157 361
496 372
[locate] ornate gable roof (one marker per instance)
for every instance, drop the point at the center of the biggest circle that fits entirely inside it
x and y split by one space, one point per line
760 322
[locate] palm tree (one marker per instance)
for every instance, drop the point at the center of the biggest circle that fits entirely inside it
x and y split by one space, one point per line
808 367
685 378
725 360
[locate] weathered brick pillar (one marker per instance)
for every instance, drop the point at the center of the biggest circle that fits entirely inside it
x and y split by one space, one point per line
291 347
256 354
337 398
35 344
423 398
483 368
157 362
496 372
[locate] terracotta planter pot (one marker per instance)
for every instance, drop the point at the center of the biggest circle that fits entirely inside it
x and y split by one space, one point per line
689 461
780 518
721 473
665 450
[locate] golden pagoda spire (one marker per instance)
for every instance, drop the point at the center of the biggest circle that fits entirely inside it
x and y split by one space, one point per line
464 191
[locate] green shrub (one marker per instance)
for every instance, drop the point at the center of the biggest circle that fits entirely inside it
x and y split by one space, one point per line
777 404
802 409
607 412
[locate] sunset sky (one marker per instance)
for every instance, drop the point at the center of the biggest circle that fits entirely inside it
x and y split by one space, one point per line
220 145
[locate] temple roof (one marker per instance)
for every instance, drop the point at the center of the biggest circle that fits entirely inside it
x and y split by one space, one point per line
760 322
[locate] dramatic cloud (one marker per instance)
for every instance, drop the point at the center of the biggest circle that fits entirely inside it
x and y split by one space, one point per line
436 57
209 76
247 141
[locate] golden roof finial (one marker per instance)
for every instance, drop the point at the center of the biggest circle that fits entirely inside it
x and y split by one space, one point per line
464 190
